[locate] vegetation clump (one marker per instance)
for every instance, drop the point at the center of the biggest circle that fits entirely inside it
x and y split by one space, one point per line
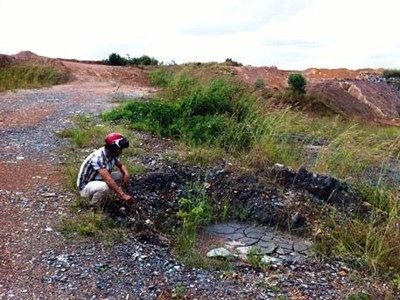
115 59
297 82
391 73
231 62
29 75
217 114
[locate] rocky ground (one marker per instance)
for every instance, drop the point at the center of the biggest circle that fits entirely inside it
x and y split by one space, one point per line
38 262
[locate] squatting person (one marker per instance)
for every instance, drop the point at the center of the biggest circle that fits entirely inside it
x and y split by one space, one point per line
96 178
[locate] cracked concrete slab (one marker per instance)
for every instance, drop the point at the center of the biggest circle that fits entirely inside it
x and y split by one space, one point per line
240 238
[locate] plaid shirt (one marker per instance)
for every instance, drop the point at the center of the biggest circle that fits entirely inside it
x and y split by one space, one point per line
89 170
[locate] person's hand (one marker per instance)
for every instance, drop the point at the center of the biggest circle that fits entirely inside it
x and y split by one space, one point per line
126 197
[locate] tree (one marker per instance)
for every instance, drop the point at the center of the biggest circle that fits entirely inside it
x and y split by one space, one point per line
297 82
233 63
116 60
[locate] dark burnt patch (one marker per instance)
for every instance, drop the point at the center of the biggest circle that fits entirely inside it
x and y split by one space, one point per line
281 197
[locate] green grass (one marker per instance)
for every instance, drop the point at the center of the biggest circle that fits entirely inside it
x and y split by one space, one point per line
254 257
26 76
91 224
219 115
194 211
204 156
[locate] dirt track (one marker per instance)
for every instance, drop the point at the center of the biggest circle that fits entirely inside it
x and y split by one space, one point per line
31 185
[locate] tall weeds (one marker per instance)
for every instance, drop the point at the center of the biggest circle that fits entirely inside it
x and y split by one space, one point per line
194 212
371 242
219 114
24 76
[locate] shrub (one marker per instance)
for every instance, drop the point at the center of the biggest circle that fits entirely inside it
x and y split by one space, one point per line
116 60
181 85
391 73
199 104
199 130
214 114
297 83
144 60
233 63
259 84
160 78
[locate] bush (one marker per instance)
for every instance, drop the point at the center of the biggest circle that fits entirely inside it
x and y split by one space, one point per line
199 115
144 60
233 63
297 83
160 78
259 84
116 60
391 73
181 85
200 104
199 130
194 211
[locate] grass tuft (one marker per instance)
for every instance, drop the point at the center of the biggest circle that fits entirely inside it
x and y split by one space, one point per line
26 76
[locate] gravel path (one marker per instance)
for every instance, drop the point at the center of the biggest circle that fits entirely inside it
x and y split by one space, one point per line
37 262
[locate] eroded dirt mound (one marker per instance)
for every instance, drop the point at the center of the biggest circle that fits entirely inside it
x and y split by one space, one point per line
361 93
123 75
85 70
30 57
275 78
271 76
341 73
372 101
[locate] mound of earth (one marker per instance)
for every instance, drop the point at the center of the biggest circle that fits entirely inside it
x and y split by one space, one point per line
370 101
362 93
30 57
120 75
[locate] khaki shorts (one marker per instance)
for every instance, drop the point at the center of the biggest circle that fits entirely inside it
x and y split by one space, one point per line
98 191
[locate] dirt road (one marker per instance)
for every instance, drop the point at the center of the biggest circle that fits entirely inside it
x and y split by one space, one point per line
31 184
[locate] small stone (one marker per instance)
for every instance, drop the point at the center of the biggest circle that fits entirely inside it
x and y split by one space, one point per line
221 253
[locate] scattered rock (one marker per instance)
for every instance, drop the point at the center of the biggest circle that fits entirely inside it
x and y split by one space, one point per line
221 253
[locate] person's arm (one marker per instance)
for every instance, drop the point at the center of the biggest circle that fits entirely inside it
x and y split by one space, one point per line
125 173
113 185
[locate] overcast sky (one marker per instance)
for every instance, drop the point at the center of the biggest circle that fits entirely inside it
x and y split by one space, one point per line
288 34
